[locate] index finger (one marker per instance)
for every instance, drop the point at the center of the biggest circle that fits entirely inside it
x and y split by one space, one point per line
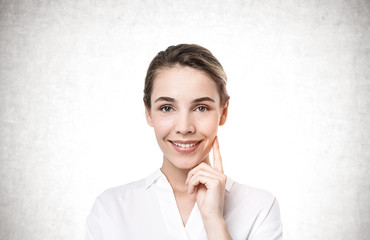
217 160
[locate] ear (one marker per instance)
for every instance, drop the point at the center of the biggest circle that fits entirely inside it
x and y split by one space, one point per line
224 114
148 116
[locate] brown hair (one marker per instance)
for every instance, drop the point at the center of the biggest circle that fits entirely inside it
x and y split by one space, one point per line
190 55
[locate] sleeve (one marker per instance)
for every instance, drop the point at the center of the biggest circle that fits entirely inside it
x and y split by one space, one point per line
89 235
92 224
271 227
98 222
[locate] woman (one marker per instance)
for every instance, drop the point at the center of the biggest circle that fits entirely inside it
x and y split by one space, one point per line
185 101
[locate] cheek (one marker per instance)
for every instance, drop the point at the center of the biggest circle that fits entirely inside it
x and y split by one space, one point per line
209 126
162 127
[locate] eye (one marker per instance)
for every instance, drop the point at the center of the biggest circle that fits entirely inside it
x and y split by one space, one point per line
166 109
201 108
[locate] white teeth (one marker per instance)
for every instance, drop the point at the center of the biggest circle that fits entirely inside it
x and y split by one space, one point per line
182 145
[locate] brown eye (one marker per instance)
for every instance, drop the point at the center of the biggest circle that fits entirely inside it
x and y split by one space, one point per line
201 108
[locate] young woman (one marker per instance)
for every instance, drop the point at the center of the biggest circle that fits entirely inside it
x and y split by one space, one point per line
185 101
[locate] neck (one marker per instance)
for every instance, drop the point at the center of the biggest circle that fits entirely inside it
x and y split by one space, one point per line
177 176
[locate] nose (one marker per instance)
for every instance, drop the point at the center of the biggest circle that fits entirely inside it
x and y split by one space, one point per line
184 124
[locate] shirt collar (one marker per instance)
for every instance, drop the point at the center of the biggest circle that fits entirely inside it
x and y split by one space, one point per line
157 174
229 184
153 178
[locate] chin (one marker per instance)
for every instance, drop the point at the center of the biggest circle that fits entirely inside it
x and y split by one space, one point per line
187 164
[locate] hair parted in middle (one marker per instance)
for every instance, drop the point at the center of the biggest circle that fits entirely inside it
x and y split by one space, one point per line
190 55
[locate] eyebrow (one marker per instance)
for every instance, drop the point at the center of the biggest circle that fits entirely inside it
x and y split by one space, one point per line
166 99
197 100
203 99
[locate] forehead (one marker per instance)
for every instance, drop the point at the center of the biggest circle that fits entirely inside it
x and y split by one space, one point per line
184 83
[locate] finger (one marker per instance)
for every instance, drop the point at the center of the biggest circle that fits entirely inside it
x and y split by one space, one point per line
203 167
200 179
217 160
211 173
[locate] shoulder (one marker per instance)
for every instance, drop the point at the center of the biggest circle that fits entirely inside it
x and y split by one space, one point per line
245 192
121 192
257 209
127 194
112 201
111 210
250 199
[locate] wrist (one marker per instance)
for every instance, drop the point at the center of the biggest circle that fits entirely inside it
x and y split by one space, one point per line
216 229
213 221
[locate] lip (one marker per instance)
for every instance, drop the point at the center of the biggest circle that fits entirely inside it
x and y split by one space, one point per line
185 150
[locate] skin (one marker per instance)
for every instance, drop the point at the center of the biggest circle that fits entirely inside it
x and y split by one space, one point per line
186 108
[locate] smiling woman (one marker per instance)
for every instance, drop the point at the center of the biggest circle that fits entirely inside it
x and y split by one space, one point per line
185 102
185 115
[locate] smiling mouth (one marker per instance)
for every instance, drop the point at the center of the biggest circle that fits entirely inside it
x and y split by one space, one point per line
185 147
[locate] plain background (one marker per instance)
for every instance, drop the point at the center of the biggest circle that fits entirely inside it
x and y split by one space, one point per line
72 120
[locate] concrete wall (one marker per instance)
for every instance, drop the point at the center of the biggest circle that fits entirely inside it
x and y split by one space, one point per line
72 121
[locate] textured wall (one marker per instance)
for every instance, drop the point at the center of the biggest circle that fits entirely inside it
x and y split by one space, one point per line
72 121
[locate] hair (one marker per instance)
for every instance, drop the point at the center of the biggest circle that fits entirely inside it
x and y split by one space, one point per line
186 55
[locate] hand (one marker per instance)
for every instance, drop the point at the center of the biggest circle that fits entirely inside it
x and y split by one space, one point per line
208 183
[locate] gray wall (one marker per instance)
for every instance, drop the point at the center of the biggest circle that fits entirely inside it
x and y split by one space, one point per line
72 121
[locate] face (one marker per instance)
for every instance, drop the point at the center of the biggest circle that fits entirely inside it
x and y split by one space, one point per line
185 114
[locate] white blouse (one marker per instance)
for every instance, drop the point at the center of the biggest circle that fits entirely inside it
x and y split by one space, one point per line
146 209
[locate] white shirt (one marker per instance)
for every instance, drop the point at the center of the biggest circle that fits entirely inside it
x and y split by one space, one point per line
146 209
